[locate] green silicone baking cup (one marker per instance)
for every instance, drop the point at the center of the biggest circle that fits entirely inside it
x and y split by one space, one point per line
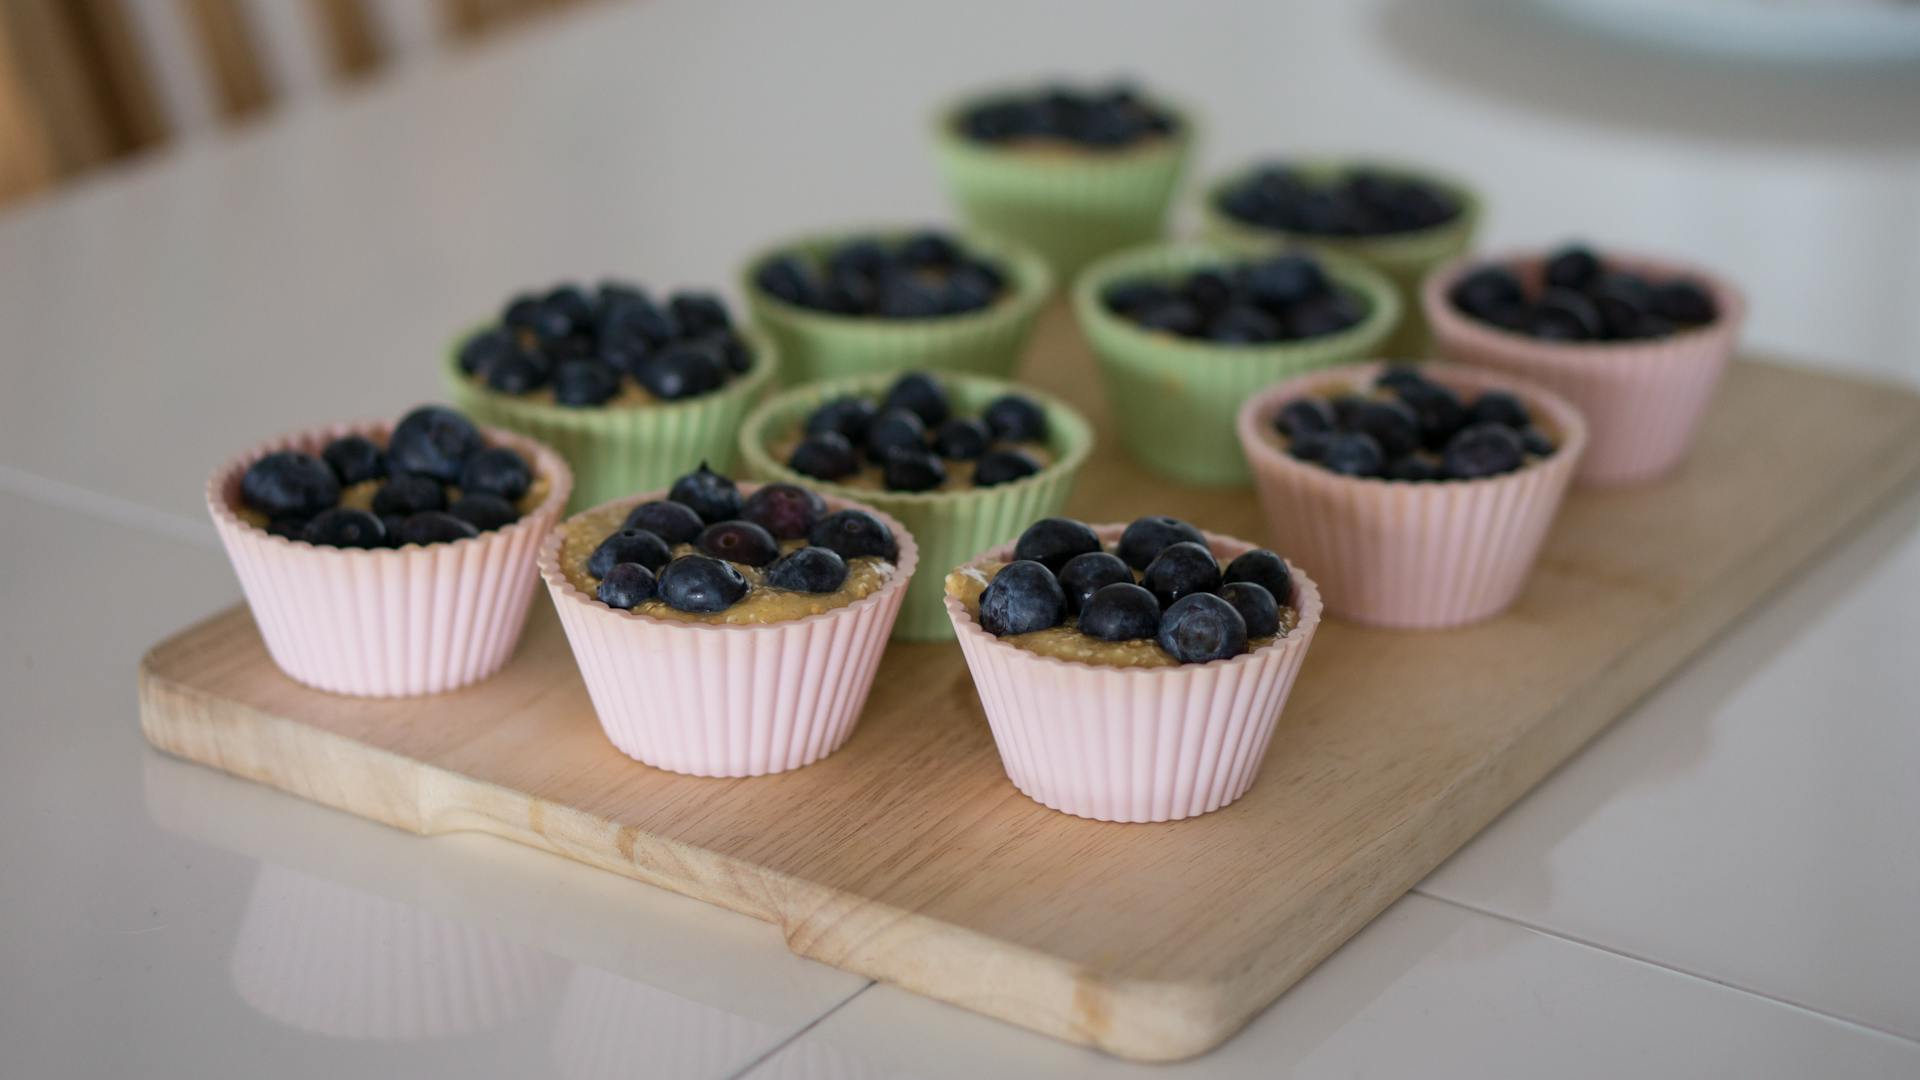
621 450
1071 207
1405 258
1175 399
817 345
951 527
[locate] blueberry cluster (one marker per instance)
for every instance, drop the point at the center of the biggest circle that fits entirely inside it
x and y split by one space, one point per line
912 434
1359 202
1278 298
706 512
1411 428
1580 298
586 346
1110 119
439 482
1160 583
923 276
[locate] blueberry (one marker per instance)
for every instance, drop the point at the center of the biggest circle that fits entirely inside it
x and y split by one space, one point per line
929 249
1344 406
738 541
712 496
434 441
497 470
734 355
1147 537
908 297
1390 423
1303 415
1132 297
1087 572
289 482
1244 324
895 429
1284 280
969 289
1022 598
846 416
1486 290
1121 611
997 467
961 439
632 317
582 383
854 533
1257 607
1623 302
1684 302
865 257
1438 411
1535 442
484 349
1052 541
354 458
484 511
912 469
1483 450
680 371
569 301
521 312
1353 453
626 586
789 279
1180 570
345 528
409 493
1015 418
788 511
670 521
1499 407
1309 445
1572 267
698 314
544 321
1322 315
1414 468
919 394
519 373
1398 376
392 523
1208 290
629 545
1565 315
1200 628
808 569
701 584
433 527
827 456
1265 569
1178 317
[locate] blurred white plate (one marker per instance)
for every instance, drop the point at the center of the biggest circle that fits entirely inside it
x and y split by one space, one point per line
1799 31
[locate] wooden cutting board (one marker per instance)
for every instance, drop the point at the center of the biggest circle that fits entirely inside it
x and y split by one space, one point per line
908 857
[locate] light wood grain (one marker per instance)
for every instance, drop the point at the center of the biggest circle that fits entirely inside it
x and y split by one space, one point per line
908 856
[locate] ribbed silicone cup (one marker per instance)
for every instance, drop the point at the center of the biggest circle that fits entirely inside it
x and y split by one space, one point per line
617 451
1134 744
1071 207
715 700
325 958
950 526
1405 258
1407 554
1642 400
422 619
818 345
1174 399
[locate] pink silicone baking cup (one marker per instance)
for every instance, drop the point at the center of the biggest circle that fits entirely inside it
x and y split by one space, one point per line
1642 400
715 700
422 619
1134 744
1405 554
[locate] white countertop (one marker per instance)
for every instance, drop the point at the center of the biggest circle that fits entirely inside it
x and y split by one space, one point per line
1725 884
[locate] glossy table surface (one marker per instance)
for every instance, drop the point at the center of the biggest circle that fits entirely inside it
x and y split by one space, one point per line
1725 883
